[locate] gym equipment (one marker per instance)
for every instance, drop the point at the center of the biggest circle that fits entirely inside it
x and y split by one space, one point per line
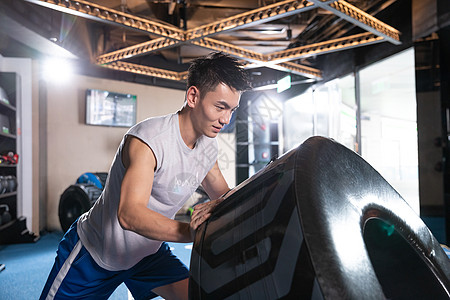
317 223
3 184
79 198
16 232
9 158
8 184
98 179
11 183
5 125
5 216
3 96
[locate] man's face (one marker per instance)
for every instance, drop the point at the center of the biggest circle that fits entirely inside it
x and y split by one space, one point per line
215 109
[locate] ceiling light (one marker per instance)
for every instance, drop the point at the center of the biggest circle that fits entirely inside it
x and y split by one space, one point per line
56 70
273 31
284 84
265 30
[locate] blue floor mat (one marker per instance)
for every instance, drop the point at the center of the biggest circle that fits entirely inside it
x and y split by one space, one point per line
28 265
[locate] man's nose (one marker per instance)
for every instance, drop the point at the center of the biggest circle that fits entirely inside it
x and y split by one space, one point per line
225 118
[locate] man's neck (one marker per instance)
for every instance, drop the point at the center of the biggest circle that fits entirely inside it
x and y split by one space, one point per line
187 131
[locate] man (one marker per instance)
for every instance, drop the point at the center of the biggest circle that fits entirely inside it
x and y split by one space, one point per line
159 164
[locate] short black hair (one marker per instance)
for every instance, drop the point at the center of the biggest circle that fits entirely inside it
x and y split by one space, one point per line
206 72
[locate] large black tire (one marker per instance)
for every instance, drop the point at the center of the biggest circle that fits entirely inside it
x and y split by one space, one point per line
318 223
76 200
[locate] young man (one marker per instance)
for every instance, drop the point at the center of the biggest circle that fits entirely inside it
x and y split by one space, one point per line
159 164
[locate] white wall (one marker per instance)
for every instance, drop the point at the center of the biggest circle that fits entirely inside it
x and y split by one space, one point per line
75 148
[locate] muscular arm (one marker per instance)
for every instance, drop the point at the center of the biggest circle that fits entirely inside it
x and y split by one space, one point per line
215 186
133 213
214 183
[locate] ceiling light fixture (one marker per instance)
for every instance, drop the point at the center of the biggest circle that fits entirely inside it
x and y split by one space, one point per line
57 70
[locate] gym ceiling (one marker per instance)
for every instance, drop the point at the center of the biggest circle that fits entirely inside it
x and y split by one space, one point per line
157 39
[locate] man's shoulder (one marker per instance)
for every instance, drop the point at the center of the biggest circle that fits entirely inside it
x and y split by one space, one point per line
152 126
154 121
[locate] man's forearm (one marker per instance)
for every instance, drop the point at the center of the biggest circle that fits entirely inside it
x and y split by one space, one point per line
155 226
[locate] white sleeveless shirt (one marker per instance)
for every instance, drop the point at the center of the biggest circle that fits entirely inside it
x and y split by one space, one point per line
179 171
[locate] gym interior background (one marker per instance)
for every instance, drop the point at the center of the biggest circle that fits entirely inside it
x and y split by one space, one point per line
385 98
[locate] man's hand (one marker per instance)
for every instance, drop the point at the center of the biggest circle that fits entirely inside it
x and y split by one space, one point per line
202 212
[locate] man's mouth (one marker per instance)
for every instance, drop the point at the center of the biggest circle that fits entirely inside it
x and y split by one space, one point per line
217 128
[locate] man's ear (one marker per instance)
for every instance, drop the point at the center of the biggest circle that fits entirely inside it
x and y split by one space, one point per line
192 96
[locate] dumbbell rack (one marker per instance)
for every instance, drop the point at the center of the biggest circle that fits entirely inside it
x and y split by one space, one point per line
15 230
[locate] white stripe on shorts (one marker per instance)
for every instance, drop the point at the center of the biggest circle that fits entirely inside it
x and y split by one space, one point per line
63 271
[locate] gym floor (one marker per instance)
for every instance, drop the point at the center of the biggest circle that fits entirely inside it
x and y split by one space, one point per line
28 265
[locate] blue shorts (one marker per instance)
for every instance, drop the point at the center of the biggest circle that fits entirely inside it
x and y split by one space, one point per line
76 275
